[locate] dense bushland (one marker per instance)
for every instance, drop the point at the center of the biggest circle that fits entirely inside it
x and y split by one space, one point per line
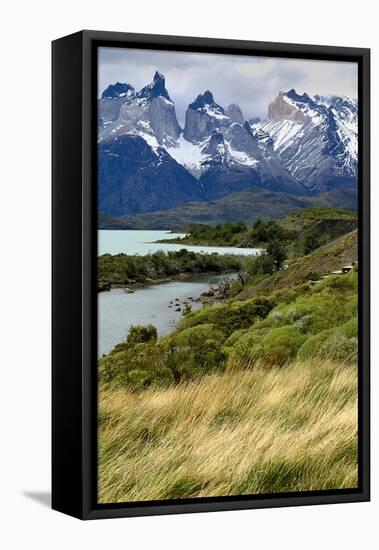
125 269
301 232
261 332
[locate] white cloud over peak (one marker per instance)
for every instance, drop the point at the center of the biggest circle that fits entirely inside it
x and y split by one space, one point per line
250 81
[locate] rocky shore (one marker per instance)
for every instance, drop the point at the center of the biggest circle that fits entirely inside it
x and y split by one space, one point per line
215 293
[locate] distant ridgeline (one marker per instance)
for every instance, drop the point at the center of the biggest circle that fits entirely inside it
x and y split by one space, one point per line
301 232
220 166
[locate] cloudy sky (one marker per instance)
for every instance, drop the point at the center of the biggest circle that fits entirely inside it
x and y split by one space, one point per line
252 82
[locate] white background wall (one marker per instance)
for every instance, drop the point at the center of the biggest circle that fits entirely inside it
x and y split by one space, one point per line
27 27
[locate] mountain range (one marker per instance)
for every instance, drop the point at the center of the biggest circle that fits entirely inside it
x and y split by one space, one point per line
307 146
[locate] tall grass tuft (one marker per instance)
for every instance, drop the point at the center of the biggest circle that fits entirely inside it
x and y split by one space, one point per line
245 431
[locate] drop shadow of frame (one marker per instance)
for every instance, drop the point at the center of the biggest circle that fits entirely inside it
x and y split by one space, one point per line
41 497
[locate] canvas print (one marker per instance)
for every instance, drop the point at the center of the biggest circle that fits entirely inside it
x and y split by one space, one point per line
227 275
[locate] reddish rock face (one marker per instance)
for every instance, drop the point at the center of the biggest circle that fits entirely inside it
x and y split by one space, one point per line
279 109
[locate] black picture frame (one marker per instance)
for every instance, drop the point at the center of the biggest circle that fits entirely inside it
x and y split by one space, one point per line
74 313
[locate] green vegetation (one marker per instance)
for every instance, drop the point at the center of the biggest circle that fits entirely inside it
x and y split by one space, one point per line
227 234
269 374
337 343
318 225
122 269
266 232
191 351
246 206
261 331
301 220
286 284
234 234
297 235
230 317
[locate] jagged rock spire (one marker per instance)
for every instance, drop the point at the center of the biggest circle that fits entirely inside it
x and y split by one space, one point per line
156 88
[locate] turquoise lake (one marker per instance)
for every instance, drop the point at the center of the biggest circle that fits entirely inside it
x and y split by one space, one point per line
117 311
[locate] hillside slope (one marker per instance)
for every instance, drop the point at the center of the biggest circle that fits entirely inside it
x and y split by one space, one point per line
271 379
324 260
245 206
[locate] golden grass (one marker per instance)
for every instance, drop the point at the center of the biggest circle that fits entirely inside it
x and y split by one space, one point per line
242 432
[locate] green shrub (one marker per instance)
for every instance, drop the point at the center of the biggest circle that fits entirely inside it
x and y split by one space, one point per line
163 376
230 317
331 344
314 345
310 242
187 309
339 282
241 315
244 346
343 348
264 232
349 329
194 351
236 335
313 313
278 347
277 251
141 334
264 264
196 336
288 295
138 379
268 347
125 269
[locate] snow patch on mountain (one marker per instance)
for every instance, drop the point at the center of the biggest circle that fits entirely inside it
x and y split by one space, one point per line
282 132
188 154
196 157
241 158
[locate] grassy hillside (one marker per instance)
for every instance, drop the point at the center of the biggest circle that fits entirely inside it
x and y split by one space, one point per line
235 400
246 206
255 394
241 432
330 257
316 226
308 217
339 197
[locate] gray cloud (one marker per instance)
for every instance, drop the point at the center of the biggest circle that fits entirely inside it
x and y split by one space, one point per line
252 82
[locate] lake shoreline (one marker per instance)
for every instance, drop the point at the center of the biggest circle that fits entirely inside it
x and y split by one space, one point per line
132 286
208 244
160 304
143 243
142 282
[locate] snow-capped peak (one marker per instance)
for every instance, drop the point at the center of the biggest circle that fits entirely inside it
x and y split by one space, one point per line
315 137
311 139
205 104
336 101
304 108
